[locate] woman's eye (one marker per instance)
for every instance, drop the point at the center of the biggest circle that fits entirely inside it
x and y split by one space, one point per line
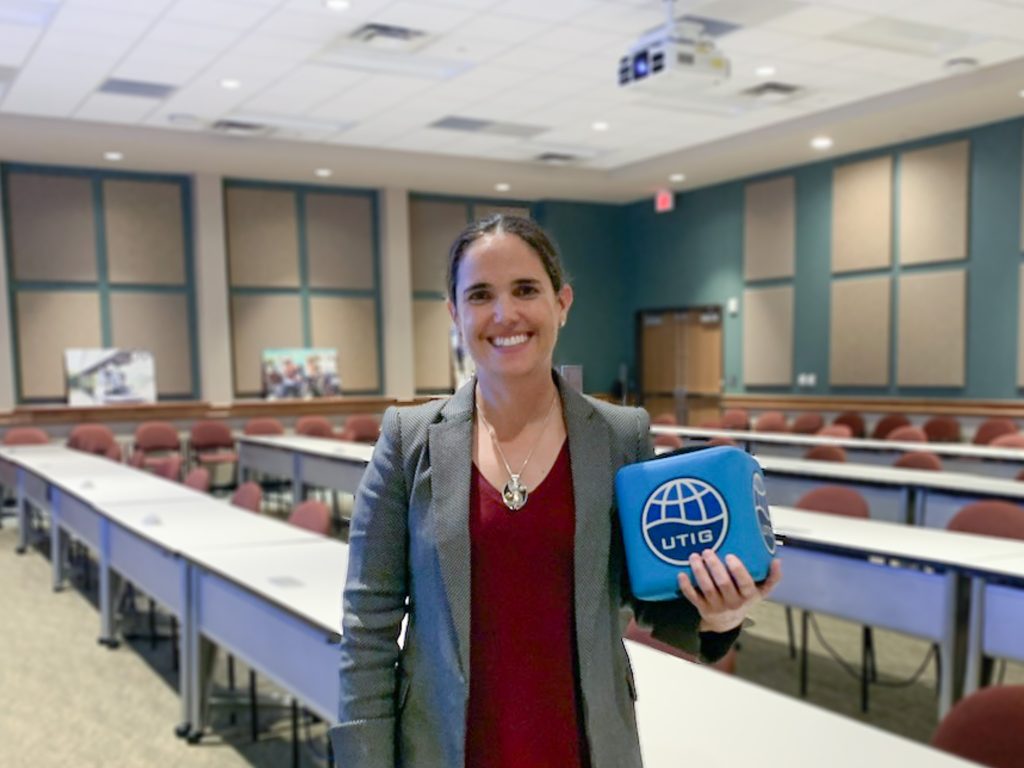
477 296
526 290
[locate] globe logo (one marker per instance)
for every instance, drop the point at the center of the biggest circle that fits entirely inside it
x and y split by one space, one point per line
764 519
683 516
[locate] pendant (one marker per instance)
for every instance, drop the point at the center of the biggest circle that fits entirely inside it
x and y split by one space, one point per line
514 494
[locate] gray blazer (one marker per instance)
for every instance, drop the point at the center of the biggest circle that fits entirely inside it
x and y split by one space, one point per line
409 555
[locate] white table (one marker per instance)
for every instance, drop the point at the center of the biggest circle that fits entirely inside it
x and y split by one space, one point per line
308 461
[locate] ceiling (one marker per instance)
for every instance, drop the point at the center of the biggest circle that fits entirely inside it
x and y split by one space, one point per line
508 81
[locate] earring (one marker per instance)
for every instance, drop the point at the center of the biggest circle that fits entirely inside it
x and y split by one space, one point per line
562 324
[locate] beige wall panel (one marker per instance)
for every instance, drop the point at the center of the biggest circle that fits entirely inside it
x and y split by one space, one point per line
258 323
145 236
349 326
157 322
933 203
432 325
932 329
339 237
862 215
1020 327
768 335
769 229
49 323
859 332
53 232
433 225
483 211
263 237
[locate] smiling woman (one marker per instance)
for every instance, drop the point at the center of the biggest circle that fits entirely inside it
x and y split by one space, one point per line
487 519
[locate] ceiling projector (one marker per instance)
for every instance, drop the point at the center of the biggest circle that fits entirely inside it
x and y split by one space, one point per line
678 50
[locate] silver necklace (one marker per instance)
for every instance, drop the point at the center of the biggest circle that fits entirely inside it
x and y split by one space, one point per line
515 493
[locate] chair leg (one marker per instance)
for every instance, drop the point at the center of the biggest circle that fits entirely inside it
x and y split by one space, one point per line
233 717
790 632
152 624
938 667
987 667
295 734
866 664
254 712
174 643
804 622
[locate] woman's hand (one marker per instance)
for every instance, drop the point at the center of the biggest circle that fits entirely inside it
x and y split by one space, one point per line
724 592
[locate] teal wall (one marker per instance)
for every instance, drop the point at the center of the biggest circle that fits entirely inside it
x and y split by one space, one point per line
694 256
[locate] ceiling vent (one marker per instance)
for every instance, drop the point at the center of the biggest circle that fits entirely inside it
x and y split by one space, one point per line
489 127
389 37
773 92
390 49
137 88
556 158
240 128
904 37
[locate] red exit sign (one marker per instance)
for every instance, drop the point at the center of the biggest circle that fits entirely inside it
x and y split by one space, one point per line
664 201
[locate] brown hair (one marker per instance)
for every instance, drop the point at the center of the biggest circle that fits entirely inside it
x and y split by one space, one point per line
499 223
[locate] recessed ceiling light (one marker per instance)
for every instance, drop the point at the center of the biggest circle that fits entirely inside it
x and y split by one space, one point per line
1021 93
502 186
323 173
113 156
337 5
821 142
600 125
230 83
675 178
765 71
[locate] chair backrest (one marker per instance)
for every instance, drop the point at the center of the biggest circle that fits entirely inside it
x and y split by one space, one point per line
314 426
675 442
210 434
25 436
169 467
985 727
887 424
248 496
666 419
826 453
152 436
853 420
313 515
836 430
771 421
721 441
919 460
990 429
735 418
908 434
835 500
808 423
361 428
263 426
990 518
95 438
1009 440
711 424
198 479
942 429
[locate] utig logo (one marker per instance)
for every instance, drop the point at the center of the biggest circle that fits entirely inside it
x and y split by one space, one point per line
764 518
683 516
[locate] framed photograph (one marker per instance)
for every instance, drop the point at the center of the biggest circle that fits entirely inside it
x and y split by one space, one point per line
109 376
300 373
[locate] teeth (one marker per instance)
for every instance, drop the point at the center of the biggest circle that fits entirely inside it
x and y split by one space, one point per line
510 341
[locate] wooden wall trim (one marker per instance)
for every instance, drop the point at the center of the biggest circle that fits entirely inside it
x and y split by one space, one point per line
907 405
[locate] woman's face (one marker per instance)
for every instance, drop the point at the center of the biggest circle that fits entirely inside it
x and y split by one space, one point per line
506 309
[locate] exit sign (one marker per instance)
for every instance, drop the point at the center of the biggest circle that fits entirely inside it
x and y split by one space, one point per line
664 201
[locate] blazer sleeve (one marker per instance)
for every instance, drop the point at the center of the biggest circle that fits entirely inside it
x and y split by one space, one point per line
374 606
675 622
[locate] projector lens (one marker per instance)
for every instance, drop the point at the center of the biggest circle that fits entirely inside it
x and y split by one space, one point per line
641 65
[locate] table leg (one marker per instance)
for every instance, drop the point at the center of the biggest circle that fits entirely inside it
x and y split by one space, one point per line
185 626
57 544
972 669
23 515
106 587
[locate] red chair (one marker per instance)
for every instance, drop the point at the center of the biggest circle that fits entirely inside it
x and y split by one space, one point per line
990 429
674 442
711 424
168 467
211 444
919 460
736 418
25 436
771 421
1009 440
248 496
154 441
826 453
990 518
853 420
887 424
942 429
985 727
314 426
312 515
907 434
665 419
198 479
1020 475
361 428
836 430
263 426
97 439
808 423
721 441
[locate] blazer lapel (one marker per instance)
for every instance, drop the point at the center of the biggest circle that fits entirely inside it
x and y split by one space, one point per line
451 449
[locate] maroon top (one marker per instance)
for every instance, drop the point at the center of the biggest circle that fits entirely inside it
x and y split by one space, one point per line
524 680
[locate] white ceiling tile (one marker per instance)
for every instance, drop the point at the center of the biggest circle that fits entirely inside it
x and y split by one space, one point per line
235 15
747 12
304 88
528 58
426 16
581 41
621 18
248 69
758 40
16 42
164 64
315 27
495 78
109 49
545 10
368 98
204 37
507 28
112 108
816 20
108 23
150 8
1004 22
822 52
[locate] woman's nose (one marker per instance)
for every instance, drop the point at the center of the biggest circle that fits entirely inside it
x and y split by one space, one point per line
504 308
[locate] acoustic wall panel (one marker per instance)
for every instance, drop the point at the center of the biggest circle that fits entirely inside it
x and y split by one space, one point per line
433 226
859 332
932 329
339 239
349 325
157 322
862 215
482 211
769 231
48 323
768 335
263 240
432 325
52 227
933 201
258 323
144 232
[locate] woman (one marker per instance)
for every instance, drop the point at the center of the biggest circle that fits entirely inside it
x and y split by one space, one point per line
488 521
